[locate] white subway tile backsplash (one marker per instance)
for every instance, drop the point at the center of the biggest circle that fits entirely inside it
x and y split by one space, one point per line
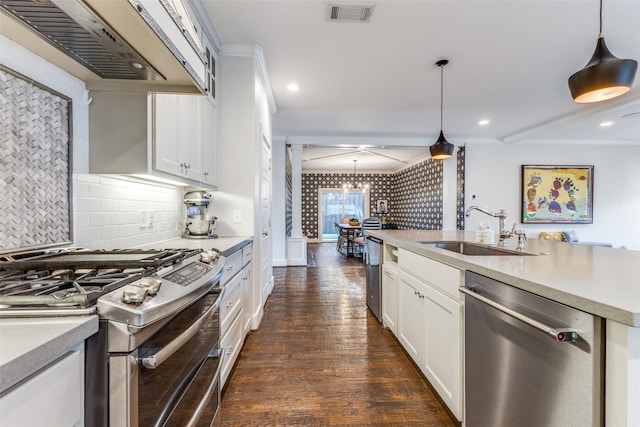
131 205
87 205
109 212
110 205
100 191
85 236
99 219
80 189
80 220
110 232
119 218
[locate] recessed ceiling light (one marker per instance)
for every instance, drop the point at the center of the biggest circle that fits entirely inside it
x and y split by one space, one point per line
605 124
293 87
484 122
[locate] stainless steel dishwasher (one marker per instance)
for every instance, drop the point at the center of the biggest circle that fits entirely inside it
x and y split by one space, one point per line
529 361
373 261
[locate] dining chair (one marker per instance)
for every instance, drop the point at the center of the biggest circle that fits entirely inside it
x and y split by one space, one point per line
371 223
342 237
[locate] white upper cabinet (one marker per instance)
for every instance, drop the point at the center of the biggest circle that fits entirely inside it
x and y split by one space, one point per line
209 142
178 135
161 136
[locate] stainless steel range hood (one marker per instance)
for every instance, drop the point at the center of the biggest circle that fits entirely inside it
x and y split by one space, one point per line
133 45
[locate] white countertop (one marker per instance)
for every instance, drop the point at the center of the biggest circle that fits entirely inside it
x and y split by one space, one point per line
599 280
27 345
221 243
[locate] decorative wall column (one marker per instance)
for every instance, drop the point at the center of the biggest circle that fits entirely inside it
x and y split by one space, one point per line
296 191
297 243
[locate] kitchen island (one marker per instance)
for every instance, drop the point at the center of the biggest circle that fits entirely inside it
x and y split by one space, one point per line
597 280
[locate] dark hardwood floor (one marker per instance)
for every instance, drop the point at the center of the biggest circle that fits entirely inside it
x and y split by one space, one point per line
320 358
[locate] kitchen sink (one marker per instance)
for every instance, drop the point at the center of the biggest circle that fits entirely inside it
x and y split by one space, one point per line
473 249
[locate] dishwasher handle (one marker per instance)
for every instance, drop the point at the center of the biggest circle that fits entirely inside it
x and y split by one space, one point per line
559 334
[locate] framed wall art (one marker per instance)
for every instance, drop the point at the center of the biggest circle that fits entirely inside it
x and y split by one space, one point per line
382 206
557 194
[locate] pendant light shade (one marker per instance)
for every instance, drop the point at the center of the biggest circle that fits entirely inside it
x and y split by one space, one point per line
604 77
441 149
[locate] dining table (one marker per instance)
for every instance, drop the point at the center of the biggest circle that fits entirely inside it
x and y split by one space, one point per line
350 232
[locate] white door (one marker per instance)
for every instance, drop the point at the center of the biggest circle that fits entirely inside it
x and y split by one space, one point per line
265 218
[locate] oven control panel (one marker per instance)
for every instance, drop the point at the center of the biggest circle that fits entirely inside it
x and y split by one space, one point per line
157 296
188 274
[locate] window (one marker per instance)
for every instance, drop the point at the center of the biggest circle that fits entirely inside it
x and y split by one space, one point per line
334 204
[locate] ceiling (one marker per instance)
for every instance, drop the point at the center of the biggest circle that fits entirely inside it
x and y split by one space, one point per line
376 83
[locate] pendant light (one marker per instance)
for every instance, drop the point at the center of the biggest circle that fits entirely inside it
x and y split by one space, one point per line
441 149
355 185
604 77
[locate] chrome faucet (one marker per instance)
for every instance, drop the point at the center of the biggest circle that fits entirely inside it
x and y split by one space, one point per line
501 215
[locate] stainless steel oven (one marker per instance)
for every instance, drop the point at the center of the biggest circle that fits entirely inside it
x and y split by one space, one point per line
165 374
156 358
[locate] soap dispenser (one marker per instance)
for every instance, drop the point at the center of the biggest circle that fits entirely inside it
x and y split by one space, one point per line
488 235
480 232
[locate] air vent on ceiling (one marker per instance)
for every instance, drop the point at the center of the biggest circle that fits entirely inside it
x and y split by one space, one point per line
350 13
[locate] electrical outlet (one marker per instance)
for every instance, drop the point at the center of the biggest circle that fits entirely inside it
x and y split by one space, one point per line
237 217
145 219
150 218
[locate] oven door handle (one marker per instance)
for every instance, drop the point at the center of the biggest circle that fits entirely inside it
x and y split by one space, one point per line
204 402
154 360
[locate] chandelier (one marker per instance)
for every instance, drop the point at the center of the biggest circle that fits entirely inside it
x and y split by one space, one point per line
355 185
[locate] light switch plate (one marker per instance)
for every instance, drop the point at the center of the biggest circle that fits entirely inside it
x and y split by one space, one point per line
237 217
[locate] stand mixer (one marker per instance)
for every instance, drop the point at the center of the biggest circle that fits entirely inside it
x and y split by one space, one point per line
199 225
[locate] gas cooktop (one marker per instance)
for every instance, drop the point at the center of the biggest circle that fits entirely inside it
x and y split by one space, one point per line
133 283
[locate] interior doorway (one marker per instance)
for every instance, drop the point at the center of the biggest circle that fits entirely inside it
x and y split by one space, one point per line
334 204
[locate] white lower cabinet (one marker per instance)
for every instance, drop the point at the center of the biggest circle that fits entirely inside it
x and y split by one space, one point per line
230 345
54 397
246 289
390 296
411 315
235 316
442 361
430 325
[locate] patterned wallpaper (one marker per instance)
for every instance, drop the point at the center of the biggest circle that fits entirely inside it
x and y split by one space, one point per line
288 192
311 182
414 196
34 164
460 159
416 200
